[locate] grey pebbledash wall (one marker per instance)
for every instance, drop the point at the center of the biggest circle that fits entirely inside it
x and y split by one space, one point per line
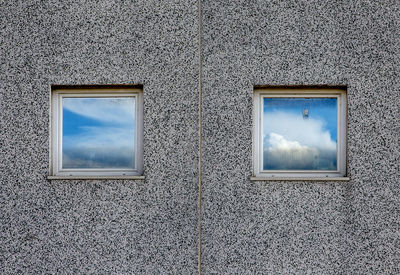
150 226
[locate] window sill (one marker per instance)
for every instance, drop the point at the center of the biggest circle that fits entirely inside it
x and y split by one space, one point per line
95 177
299 179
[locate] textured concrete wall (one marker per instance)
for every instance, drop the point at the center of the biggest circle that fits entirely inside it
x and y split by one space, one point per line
99 226
301 227
150 226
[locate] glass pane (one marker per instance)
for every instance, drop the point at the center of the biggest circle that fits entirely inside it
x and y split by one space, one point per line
300 134
98 132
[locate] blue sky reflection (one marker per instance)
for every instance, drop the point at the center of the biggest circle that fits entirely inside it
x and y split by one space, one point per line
98 132
300 134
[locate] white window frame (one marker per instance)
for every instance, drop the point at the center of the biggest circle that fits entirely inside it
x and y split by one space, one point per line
56 131
258 103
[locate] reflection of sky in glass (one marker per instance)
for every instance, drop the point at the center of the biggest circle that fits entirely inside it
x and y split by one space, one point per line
299 133
98 132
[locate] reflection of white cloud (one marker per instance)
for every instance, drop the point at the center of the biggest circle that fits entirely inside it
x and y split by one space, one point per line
280 153
99 147
92 137
104 157
304 132
119 110
279 142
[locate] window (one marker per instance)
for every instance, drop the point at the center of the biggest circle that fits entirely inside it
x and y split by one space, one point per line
96 132
299 133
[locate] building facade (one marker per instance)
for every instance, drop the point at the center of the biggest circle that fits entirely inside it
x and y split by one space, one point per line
196 206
